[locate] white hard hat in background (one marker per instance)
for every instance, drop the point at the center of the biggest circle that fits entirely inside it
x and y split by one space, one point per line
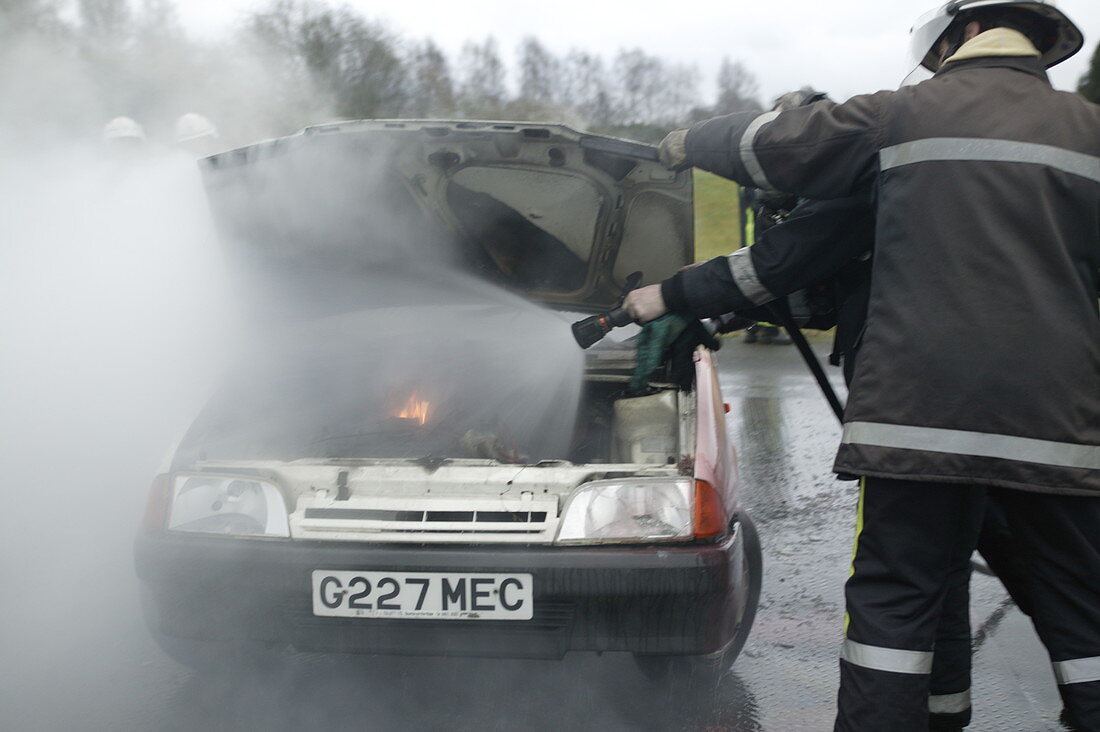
123 128
193 126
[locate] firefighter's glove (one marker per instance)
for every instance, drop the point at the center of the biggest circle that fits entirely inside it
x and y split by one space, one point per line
645 303
653 344
672 151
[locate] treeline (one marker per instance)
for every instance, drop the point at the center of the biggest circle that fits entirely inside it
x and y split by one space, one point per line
68 66
1089 86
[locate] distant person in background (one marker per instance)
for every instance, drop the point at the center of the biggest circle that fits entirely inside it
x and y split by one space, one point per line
196 135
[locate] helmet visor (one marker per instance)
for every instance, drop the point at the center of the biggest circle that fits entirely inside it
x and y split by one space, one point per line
926 31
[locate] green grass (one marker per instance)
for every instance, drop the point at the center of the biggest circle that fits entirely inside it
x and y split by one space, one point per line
717 225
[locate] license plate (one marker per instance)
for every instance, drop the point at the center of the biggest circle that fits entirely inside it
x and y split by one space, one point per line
427 595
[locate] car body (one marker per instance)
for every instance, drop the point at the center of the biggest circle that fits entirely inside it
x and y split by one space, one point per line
403 465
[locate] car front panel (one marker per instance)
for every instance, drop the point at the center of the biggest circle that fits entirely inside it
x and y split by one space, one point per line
651 599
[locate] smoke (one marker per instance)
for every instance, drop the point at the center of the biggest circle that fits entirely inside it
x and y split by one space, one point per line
121 318
360 299
116 319
117 322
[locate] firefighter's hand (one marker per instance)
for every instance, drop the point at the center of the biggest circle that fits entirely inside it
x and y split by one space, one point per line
672 151
645 303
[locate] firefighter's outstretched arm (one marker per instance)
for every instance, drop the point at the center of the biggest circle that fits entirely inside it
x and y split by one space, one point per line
821 151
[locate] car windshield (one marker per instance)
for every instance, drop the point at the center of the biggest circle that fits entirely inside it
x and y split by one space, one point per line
485 380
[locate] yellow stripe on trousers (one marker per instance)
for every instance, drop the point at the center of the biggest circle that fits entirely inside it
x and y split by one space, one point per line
855 544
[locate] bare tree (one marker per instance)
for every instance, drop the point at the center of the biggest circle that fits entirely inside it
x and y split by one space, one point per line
737 92
539 73
432 93
737 88
353 61
679 96
105 23
586 86
638 78
651 91
482 92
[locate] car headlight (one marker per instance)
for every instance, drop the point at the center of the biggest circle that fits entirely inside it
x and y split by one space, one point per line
641 510
220 504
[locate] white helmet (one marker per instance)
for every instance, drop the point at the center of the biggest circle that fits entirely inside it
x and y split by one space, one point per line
123 128
193 126
1064 37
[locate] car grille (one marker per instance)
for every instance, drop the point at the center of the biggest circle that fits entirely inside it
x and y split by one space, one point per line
439 520
478 518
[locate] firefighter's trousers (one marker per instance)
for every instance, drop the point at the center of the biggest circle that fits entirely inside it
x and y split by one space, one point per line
949 685
913 547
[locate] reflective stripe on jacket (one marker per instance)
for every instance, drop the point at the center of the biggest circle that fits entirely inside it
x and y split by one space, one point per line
981 358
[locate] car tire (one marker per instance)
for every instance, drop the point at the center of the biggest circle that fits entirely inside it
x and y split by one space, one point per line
708 670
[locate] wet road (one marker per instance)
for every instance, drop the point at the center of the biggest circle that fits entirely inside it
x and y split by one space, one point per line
76 656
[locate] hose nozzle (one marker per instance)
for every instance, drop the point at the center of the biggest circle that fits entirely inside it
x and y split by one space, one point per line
593 328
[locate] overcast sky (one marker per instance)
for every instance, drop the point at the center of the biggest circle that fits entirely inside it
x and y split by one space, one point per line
843 47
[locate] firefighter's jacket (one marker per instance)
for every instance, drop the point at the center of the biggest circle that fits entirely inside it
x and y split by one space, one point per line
980 362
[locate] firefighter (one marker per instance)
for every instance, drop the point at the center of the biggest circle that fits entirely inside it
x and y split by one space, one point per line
825 248
196 135
987 209
124 137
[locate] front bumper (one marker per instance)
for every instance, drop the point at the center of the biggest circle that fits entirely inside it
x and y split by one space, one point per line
645 599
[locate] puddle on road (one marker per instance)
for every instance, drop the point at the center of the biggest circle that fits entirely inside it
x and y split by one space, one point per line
786 438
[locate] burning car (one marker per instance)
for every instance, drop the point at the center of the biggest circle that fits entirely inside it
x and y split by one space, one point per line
415 458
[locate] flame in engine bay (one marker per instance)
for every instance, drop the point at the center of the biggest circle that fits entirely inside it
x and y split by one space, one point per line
415 408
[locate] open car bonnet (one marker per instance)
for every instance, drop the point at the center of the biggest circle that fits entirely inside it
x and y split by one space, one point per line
559 216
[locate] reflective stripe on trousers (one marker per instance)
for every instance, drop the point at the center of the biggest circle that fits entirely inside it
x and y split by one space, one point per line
855 544
1077 670
949 703
895 660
